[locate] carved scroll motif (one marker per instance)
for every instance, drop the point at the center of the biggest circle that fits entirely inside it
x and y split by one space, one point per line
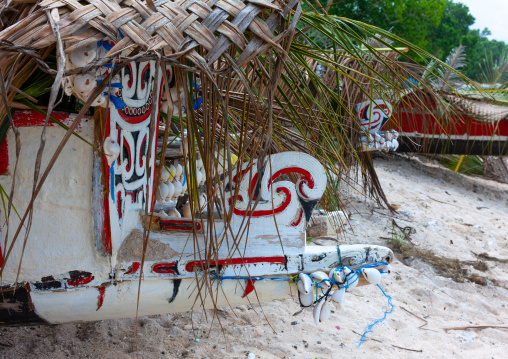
373 115
280 200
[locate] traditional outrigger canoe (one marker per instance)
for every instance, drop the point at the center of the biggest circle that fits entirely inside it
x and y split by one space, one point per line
83 255
477 126
88 241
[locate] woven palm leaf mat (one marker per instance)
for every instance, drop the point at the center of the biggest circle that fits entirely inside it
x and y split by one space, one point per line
199 31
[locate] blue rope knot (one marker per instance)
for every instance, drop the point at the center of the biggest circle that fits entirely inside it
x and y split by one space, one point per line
350 278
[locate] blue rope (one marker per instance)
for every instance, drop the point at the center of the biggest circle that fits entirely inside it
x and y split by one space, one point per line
351 278
371 326
216 276
112 181
119 104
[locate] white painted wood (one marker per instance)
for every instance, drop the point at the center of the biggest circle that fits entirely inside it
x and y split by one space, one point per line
62 233
120 298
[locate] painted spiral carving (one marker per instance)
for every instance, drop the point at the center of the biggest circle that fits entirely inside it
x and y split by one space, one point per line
373 115
290 203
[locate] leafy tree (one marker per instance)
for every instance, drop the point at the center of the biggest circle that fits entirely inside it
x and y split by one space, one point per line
437 26
451 31
479 48
411 19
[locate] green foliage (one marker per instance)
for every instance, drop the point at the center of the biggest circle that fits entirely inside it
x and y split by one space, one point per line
481 48
451 30
494 74
5 200
413 19
40 85
437 26
401 237
468 165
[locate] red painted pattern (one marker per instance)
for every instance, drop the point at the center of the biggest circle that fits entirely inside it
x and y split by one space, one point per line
249 288
297 222
133 119
107 225
131 78
100 300
134 194
145 69
119 204
306 177
31 118
127 148
373 122
253 186
133 268
107 220
266 212
4 157
143 143
252 183
362 111
134 115
241 173
80 281
189 267
165 268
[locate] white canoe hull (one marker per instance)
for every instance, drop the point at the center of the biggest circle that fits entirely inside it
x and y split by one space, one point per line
83 254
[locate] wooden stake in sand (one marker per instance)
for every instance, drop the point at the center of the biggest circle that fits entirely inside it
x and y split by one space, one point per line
478 327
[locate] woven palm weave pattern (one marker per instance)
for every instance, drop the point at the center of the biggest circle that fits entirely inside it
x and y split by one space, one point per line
178 27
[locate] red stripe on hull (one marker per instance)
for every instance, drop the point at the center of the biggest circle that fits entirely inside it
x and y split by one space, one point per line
179 225
165 268
4 157
426 124
189 267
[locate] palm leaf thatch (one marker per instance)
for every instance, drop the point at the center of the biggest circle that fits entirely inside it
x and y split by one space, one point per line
266 85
